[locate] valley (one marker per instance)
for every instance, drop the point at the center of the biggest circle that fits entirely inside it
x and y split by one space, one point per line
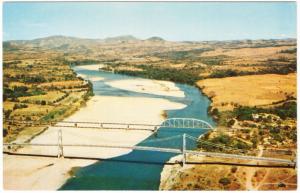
251 85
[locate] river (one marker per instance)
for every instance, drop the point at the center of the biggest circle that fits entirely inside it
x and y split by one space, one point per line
138 170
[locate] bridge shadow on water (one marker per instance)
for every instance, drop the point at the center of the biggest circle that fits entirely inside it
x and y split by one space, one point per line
138 170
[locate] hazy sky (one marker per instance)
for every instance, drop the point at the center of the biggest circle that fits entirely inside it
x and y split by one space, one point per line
172 21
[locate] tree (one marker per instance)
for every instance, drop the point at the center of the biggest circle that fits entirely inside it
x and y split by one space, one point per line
254 141
5 132
215 111
234 169
231 122
7 113
224 181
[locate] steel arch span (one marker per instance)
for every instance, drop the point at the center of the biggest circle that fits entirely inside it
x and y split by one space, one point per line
186 123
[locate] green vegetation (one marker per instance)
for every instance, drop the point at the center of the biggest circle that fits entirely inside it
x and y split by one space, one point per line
287 110
280 69
7 64
274 124
34 79
268 43
90 90
20 106
224 181
181 76
180 55
54 114
5 132
213 60
223 140
7 113
19 91
81 62
25 78
224 73
274 69
289 51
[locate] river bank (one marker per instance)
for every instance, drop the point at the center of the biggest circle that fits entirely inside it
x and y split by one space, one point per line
270 97
146 165
27 173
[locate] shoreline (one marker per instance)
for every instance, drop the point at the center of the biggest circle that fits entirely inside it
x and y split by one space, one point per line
169 172
114 109
91 67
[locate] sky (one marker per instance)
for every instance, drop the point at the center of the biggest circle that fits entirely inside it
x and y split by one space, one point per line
174 21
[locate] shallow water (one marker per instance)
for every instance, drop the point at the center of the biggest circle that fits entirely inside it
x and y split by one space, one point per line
139 170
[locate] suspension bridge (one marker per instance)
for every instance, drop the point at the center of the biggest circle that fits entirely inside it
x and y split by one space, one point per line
181 123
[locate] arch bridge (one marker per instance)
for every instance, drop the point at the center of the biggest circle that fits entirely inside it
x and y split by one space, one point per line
186 123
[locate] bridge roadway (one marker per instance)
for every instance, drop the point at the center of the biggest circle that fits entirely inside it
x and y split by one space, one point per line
183 123
166 150
92 125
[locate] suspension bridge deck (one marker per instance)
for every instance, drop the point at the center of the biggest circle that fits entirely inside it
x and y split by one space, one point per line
156 149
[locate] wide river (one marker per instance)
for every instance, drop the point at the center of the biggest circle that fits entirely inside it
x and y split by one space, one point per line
138 170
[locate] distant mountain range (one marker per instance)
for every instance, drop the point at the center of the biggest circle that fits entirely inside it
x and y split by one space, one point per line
67 43
68 39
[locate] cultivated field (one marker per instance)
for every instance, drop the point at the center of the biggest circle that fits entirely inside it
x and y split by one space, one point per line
38 90
253 90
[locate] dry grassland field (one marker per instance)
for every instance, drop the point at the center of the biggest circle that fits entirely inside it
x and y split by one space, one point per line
254 90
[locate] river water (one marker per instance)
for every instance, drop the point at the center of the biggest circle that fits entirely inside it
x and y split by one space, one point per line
139 170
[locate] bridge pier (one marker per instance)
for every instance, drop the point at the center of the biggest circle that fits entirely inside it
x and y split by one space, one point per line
60 153
155 131
183 150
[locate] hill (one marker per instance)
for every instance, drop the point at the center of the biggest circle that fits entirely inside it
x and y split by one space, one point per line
156 39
